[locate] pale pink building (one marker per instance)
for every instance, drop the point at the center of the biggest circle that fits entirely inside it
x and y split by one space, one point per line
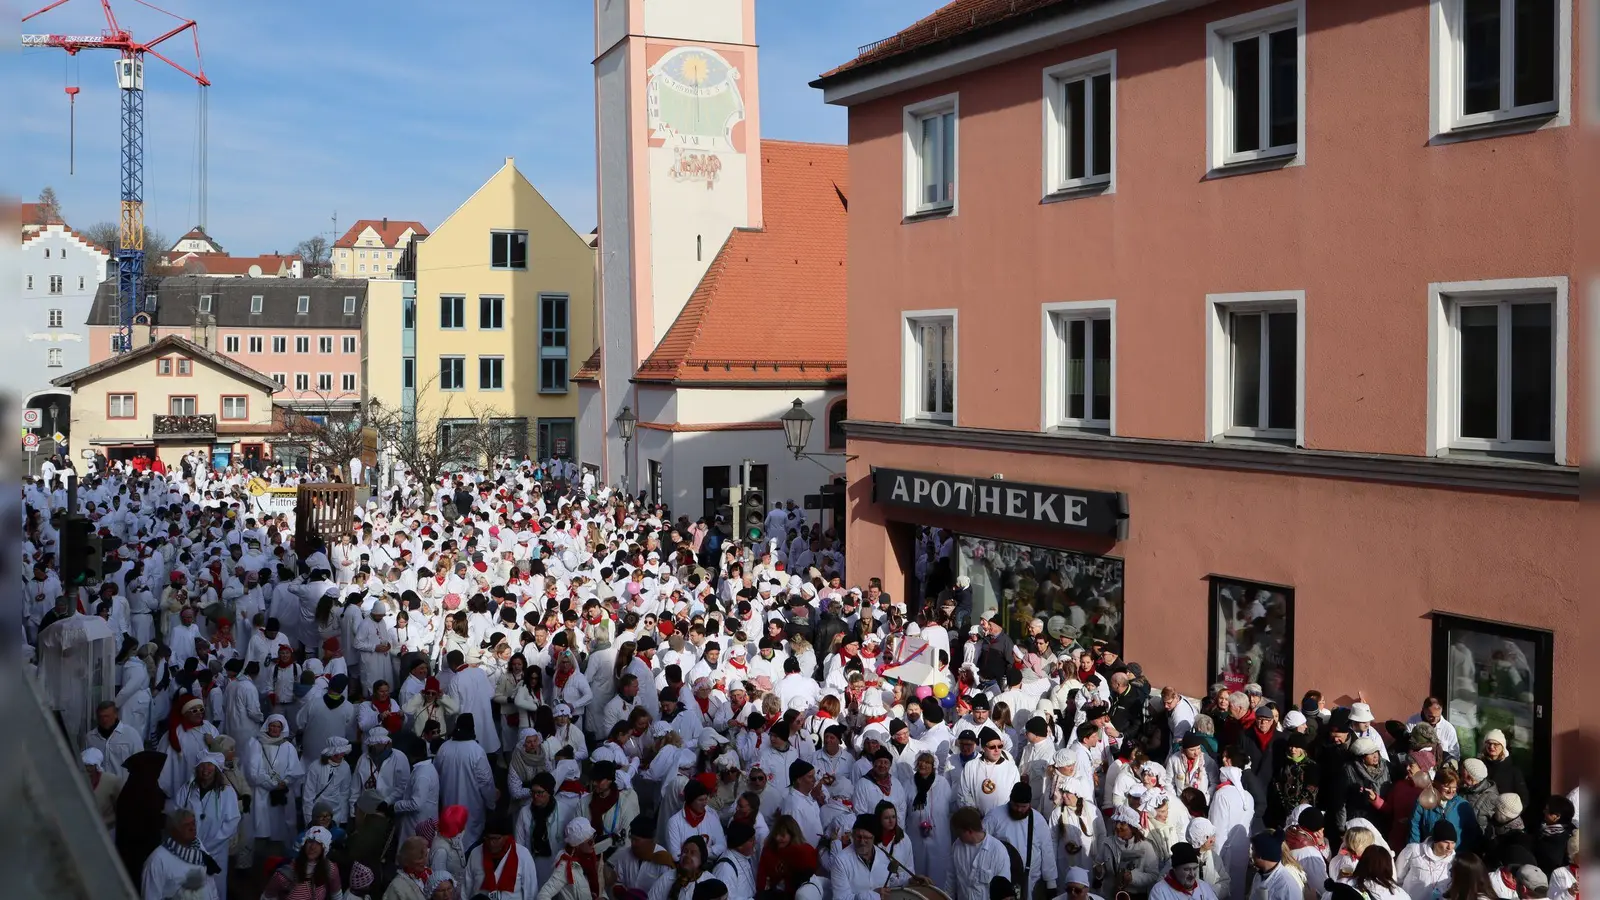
1240 333
304 333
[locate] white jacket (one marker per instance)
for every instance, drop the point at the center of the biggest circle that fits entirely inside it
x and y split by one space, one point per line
1421 873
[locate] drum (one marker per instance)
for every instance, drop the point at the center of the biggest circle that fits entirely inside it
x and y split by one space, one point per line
917 892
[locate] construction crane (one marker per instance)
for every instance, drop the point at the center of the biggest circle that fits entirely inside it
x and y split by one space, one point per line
130 79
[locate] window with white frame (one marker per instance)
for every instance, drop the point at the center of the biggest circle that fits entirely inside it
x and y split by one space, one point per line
185 366
491 313
507 250
81 282
235 408
325 343
302 344
349 306
302 381
205 303
55 318
1498 61
931 156
53 357
1256 368
1079 365
1080 136
1256 100
280 344
281 379
325 381
302 305
181 406
120 406
230 343
929 377
55 284
348 343
1499 384
452 373
256 301
347 382
256 343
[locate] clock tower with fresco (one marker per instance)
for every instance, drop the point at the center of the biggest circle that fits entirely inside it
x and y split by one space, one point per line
678 138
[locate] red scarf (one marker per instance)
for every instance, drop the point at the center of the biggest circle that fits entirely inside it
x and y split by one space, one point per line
590 864
692 818
1173 883
561 679
1264 738
599 806
506 879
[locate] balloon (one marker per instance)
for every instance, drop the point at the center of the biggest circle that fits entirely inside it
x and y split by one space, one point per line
924 692
948 703
941 690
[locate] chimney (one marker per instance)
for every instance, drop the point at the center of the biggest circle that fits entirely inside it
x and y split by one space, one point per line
385 223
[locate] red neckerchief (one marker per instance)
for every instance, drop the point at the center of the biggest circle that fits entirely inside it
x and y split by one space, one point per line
589 863
571 786
421 877
561 680
886 784
737 665
705 703
1264 738
506 878
599 806
382 707
1173 883
693 820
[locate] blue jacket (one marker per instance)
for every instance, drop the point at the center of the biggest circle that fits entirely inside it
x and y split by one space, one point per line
1458 812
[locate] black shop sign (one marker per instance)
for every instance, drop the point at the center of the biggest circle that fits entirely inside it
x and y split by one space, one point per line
1102 513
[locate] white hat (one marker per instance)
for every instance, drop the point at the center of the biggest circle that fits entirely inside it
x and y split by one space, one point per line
563 710
872 638
93 757
1294 719
216 759
1495 736
1154 798
1366 745
1077 875
1200 830
379 735
578 831
321 835
1126 816
1065 757
336 746
1360 712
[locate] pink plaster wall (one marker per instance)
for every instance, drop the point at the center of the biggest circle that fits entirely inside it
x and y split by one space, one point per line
338 363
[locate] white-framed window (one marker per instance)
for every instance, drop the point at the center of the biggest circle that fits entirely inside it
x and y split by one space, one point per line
53 357
452 312
931 155
281 379
361 267
1080 365
1497 377
1080 103
1256 88
181 406
55 284
1500 61
389 254
230 343
185 366
348 343
302 344
256 343
256 301
347 382
928 361
280 344
452 373
205 303
121 406
56 318
325 381
235 408
491 373
116 343
1255 366
325 343
302 381
302 305
491 313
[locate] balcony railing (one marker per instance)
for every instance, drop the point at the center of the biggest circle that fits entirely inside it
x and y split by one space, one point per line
184 426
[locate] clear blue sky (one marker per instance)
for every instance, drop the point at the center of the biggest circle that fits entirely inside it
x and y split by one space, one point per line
373 108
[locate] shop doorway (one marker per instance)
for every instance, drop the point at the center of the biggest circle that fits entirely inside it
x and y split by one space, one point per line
713 481
250 455
1252 637
1495 676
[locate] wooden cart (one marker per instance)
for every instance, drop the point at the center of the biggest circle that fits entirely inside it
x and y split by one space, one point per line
322 511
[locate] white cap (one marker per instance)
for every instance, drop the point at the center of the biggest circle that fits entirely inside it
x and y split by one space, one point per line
1294 719
578 831
563 710
378 735
1360 712
1126 816
92 756
1077 875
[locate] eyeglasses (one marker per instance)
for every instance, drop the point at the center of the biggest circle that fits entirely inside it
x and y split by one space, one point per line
994 746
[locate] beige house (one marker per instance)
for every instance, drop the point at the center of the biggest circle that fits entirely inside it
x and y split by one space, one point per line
372 247
501 317
170 397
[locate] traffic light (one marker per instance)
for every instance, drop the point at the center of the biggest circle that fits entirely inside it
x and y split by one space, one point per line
78 542
728 510
754 514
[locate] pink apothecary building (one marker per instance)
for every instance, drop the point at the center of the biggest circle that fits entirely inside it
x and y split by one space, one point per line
1240 333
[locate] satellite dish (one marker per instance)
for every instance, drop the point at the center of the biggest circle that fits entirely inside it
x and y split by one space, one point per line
255 271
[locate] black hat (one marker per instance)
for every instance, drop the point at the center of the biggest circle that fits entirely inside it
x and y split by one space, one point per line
1312 819
338 683
739 833
1001 889
986 735
693 791
464 730
710 889
1038 727
882 753
1192 739
869 823
1184 854
1443 830
1021 792
980 701
798 770
642 825
644 643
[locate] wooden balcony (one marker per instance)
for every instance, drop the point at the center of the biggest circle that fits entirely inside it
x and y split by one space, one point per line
184 427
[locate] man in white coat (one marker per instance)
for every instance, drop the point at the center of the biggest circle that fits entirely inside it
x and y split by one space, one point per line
241 704
376 643
1183 881
859 871
1020 825
112 737
977 857
1232 810
216 809
470 688
380 770
985 782
421 801
465 778
179 867
500 867
800 801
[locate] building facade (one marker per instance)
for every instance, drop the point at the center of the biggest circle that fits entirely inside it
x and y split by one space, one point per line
721 263
1179 328
372 247
498 315
48 334
171 396
304 333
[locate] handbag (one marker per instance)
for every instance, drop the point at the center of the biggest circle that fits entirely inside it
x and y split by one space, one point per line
278 796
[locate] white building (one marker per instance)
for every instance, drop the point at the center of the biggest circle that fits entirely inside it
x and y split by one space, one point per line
722 265
47 333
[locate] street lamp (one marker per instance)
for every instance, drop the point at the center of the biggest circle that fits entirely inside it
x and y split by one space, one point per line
626 421
797 428
55 410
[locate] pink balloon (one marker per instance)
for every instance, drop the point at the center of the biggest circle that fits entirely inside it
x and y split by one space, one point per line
924 692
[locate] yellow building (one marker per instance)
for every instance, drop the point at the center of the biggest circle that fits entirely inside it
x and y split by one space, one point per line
504 315
371 248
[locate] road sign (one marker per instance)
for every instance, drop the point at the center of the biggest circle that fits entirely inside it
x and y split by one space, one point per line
59 438
31 417
30 443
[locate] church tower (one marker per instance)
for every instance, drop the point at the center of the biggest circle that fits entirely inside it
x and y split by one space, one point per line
677 117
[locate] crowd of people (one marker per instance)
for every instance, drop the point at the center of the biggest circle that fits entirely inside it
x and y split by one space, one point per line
511 683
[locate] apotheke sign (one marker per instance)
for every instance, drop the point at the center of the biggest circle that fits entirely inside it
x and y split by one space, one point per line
1067 509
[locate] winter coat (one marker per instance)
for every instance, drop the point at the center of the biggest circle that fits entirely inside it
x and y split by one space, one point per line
1420 873
1508 778
1458 812
1483 797
1138 857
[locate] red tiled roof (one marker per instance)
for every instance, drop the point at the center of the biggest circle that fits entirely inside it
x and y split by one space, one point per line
389 231
33 214
771 307
45 230
196 234
948 24
222 264
591 368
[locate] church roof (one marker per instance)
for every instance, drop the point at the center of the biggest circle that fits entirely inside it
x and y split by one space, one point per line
771 306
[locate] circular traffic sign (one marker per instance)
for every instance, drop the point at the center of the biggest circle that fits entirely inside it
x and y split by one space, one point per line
30 443
31 417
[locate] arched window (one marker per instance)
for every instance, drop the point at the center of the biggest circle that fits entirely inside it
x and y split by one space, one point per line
837 413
